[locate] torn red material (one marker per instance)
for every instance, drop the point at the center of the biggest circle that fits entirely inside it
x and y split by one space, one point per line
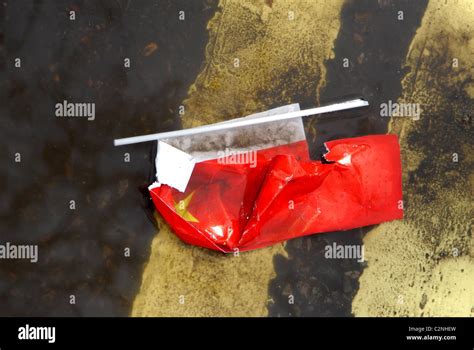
283 194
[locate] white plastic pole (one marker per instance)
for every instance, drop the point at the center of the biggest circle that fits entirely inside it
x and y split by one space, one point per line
243 122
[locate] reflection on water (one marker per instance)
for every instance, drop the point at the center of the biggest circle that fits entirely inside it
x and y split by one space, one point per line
81 251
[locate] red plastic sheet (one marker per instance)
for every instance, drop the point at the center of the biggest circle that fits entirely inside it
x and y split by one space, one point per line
284 194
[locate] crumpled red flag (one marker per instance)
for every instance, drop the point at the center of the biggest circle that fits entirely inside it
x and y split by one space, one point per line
284 194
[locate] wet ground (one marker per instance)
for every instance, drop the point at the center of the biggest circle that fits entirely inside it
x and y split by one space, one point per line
84 251
376 45
81 251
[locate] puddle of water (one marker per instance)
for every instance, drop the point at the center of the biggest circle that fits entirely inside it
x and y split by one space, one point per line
81 251
375 43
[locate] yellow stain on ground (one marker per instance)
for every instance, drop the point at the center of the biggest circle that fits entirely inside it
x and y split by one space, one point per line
260 56
257 56
423 265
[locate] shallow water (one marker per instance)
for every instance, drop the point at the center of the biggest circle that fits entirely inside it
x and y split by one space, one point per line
83 252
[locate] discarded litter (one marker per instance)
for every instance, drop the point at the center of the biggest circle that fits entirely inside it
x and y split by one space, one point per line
228 187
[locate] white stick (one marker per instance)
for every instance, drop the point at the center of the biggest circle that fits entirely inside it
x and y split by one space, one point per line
242 122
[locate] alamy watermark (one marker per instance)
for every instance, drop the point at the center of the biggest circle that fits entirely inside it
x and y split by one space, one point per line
19 251
344 251
395 109
69 109
237 157
37 333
